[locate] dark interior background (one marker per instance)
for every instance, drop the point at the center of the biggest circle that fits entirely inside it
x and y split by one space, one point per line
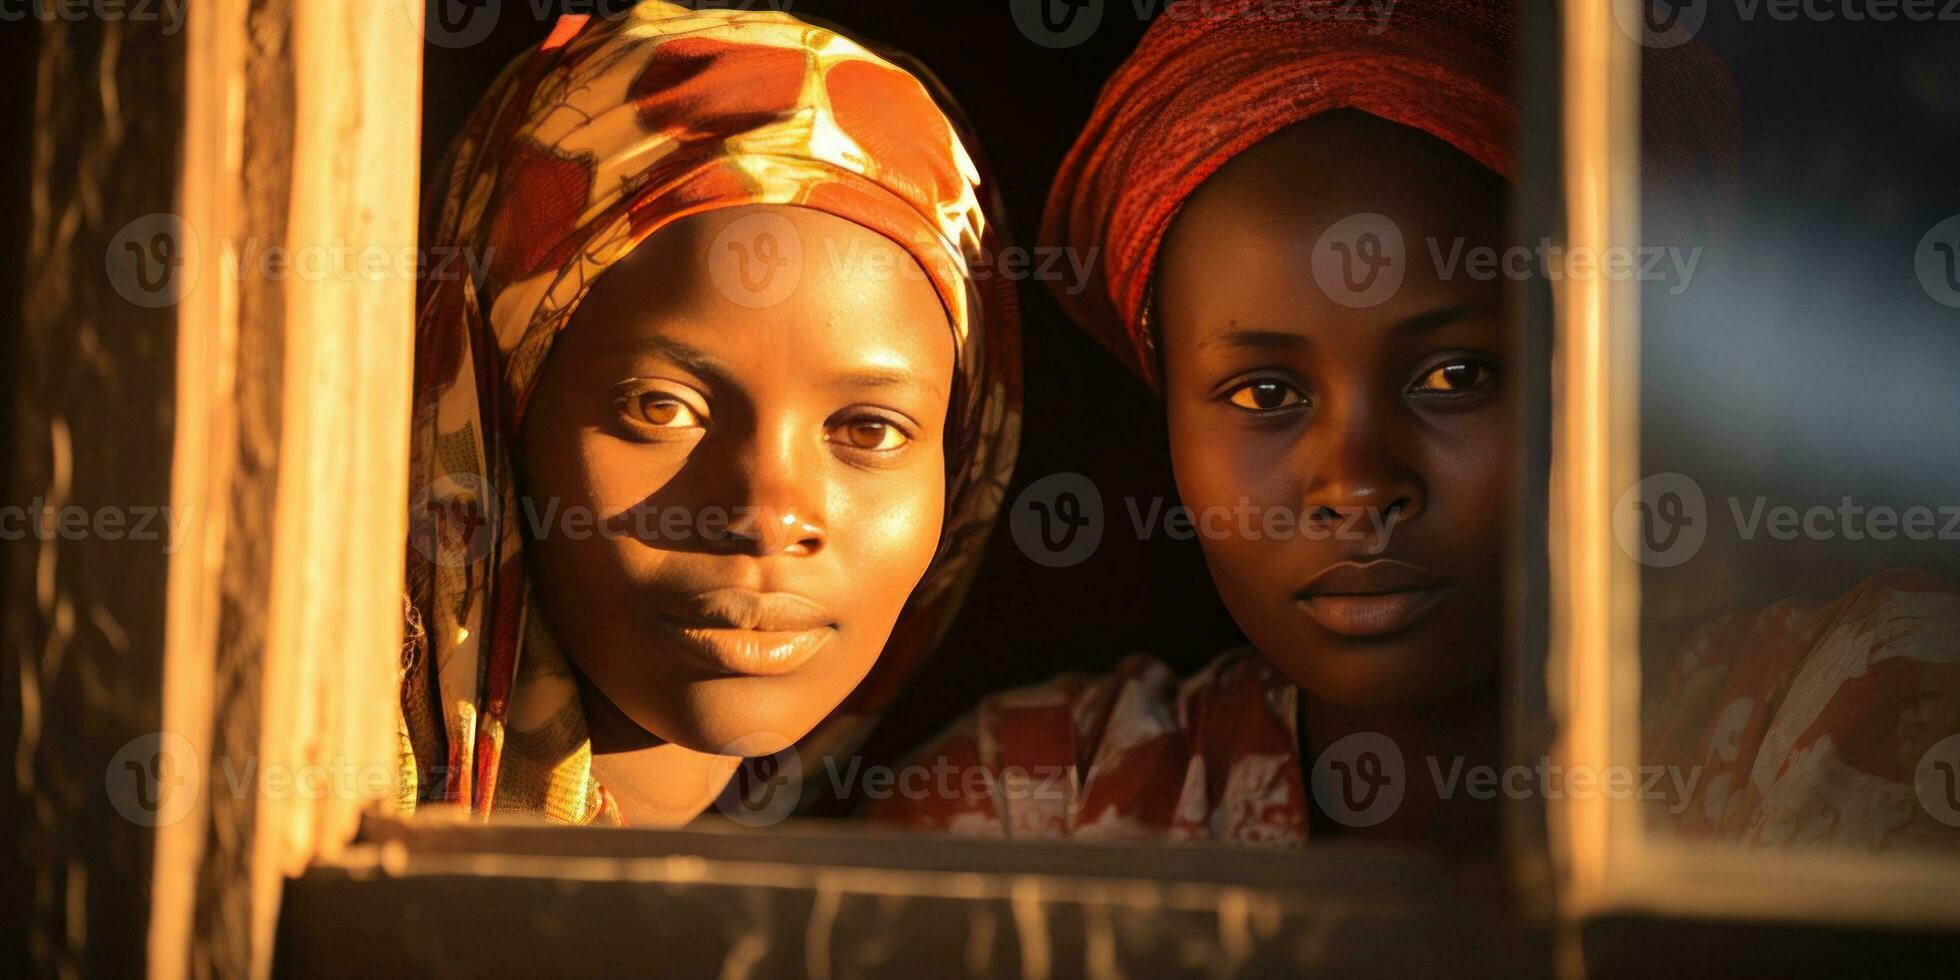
17 48
1082 413
1805 364
17 43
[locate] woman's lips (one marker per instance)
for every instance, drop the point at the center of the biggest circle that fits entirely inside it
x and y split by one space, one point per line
748 653
742 632
1373 599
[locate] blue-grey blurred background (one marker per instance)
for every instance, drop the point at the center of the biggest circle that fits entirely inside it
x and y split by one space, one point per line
1806 363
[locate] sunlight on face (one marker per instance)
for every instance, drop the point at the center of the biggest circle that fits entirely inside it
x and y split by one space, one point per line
751 405
1328 376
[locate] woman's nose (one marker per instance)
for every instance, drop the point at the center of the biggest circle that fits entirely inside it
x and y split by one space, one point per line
1357 473
764 530
774 497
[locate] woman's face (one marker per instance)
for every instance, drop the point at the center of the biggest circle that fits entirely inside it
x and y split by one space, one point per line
734 471
1343 435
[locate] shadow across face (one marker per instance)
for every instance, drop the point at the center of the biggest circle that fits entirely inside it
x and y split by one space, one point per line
1332 339
734 473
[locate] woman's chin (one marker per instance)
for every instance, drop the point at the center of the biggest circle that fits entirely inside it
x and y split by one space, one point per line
735 716
1385 673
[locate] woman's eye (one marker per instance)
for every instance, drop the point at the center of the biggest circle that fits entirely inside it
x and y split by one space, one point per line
1455 376
661 411
1266 396
870 434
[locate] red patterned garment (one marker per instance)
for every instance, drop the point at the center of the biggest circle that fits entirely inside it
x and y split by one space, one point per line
584 147
1820 724
1132 755
1815 724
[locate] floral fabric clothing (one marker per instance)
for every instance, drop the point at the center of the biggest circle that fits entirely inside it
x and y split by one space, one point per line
1820 724
1135 754
1814 724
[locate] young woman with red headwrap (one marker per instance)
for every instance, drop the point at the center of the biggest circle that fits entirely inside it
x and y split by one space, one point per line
1264 191
706 441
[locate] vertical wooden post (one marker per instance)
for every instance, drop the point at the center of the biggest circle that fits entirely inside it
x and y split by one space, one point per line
222 274
336 617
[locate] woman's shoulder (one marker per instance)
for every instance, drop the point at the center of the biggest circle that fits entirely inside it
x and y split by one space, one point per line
1807 719
1086 710
1137 751
1903 612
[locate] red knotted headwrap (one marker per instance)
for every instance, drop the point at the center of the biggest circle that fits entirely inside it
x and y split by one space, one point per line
1211 78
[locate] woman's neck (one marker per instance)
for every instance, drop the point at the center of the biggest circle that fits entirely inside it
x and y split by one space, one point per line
1440 746
656 783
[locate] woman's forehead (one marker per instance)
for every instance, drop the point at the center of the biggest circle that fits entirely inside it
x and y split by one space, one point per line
786 282
1319 172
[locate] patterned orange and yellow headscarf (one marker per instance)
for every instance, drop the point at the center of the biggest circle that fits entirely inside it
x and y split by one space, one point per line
584 147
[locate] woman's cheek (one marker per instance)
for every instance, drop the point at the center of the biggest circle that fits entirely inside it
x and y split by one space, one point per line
892 523
1226 466
617 475
602 473
1474 457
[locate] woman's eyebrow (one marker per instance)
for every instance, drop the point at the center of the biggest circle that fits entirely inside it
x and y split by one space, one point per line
1286 340
691 358
884 378
1257 340
1432 319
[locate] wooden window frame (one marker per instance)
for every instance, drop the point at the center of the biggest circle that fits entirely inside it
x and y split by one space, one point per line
282 619
1606 862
